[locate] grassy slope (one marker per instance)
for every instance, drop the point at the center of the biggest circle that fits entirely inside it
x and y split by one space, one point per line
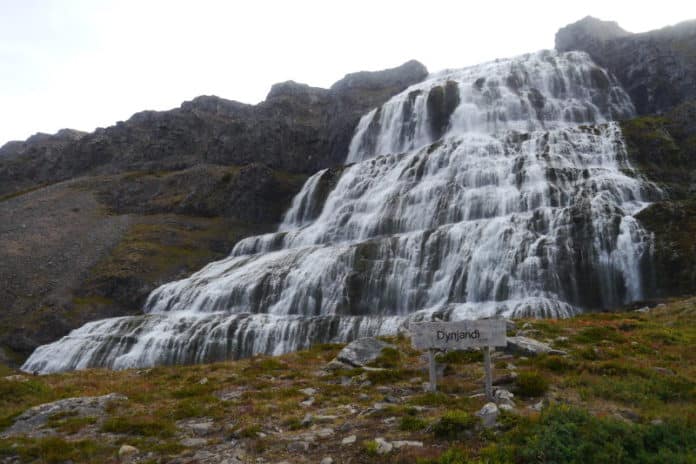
621 366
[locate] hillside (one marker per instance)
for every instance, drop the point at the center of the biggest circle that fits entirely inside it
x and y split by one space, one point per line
91 223
624 391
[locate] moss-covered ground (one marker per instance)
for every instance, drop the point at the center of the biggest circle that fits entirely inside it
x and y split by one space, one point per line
624 393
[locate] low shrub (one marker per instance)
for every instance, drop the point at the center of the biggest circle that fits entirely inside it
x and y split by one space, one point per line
412 424
571 435
454 425
531 384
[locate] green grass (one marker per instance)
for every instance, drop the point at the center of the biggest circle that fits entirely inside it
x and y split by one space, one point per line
144 426
56 450
573 436
412 424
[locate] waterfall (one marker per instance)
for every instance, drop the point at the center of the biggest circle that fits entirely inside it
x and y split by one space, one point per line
501 189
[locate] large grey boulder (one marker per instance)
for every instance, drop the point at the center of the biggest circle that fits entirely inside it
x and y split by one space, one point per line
526 346
362 351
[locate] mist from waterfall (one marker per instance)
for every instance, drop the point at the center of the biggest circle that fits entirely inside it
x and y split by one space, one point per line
501 189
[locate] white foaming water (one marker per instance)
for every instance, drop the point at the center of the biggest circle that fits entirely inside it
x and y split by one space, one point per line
500 189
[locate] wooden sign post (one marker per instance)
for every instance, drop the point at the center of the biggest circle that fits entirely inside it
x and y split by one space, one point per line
459 335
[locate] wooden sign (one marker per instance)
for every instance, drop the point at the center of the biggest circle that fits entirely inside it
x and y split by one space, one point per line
458 335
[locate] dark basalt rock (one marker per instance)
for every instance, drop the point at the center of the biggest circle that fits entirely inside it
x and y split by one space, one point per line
298 128
656 68
441 103
663 148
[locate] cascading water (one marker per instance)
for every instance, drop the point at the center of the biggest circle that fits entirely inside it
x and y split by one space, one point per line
500 189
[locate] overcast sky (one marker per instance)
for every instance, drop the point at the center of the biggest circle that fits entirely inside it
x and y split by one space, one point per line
89 63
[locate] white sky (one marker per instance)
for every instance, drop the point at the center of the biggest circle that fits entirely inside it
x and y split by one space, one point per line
89 63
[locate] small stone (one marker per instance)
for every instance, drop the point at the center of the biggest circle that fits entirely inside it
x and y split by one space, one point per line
308 391
298 446
202 428
537 406
325 432
663 370
193 442
389 420
506 407
503 394
383 446
392 399
307 420
307 403
489 414
327 460
126 452
656 422
402 443
203 381
364 397
349 440
644 309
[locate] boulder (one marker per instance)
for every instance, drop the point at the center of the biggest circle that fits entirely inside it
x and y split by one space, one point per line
126 452
383 446
489 414
362 351
526 346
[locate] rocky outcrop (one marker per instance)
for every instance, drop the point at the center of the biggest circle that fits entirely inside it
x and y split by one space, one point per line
663 149
657 68
362 351
33 420
298 129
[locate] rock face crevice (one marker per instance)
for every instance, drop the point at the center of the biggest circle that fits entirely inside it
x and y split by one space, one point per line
656 68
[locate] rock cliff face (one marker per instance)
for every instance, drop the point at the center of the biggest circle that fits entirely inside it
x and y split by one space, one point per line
663 148
298 129
657 68
91 223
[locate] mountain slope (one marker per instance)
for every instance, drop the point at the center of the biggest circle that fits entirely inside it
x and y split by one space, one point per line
91 223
